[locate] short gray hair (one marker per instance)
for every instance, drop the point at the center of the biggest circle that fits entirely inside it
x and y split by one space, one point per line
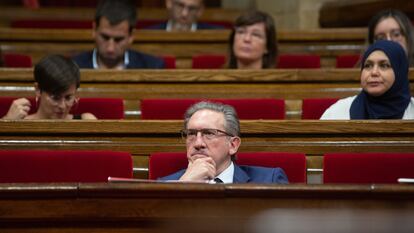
232 124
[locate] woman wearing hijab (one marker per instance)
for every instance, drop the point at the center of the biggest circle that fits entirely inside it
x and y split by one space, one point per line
385 87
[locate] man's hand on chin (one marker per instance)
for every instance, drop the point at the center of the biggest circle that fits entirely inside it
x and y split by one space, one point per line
200 168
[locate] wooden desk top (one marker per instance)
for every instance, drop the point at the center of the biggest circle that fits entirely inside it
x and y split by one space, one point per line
152 207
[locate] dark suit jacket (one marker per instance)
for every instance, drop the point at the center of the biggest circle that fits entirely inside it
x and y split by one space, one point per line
200 26
248 174
137 60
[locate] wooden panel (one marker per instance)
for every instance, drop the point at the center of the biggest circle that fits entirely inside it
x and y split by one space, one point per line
327 43
187 207
142 138
133 85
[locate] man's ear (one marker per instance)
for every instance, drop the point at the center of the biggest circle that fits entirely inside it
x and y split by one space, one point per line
131 37
94 29
234 145
37 90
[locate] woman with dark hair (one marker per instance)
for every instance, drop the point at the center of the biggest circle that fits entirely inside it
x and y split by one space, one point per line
57 79
385 87
393 25
252 42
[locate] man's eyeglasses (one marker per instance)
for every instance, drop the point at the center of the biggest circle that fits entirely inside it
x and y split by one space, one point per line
207 134
181 6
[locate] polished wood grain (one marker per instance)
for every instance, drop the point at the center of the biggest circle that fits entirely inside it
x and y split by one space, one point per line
328 43
134 85
141 138
154 207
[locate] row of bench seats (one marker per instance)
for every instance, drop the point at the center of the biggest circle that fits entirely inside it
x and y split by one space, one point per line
210 61
96 166
164 109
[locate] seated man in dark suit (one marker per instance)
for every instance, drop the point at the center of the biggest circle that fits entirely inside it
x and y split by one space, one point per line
112 30
211 131
183 16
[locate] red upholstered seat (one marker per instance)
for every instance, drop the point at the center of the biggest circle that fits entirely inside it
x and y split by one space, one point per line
294 164
102 108
163 109
208 61
367 167
347 61
13 60
52 24
298 61
312 109
63 166
169 61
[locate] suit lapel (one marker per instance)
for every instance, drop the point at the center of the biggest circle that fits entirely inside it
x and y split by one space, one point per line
240 176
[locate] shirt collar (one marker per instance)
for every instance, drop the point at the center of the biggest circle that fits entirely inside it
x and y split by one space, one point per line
169 26
95 59
227 175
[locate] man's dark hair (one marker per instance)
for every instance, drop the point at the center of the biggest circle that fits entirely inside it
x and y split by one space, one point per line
55 74
117 11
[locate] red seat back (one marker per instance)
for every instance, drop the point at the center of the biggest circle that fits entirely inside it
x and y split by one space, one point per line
169 61
298 61
63 166
51 24
347 61
208 61
102 108
163 109
365 168
312 109
12 60
294 164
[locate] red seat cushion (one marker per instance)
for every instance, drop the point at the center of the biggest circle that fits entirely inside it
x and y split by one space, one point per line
63 166
312 109
347 61
294 164
298 61
12 60
102 108
169 61
208 61
364 168
52 24
163 109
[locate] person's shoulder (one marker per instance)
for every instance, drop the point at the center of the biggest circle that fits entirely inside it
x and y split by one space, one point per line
203 26
409 111
260 174
142 60
159 26
83 60
339 110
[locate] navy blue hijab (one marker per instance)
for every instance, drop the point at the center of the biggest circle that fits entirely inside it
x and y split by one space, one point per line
391 104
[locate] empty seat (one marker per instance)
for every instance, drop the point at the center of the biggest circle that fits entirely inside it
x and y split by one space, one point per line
366 168
102 108
208 61
294 164
13 60
347 61
51 24
312 109
40 166
298 61
163 109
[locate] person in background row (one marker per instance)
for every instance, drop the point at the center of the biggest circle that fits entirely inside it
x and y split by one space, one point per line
393 25
385 87
56 80
252 42
212 135
113 33
183 16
